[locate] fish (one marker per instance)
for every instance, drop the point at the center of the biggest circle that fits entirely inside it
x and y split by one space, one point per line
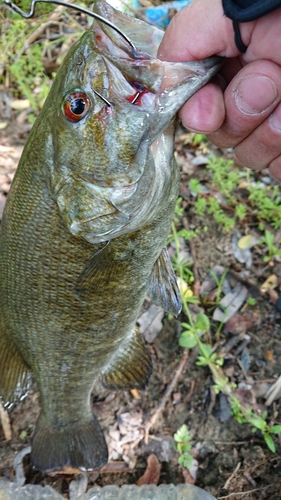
84 230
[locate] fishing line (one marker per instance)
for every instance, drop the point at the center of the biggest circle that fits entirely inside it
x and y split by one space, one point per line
16 9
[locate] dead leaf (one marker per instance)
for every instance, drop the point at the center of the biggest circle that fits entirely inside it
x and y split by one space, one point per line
270 283
230 303
6 424
150 323
273 295
20 104
247 241
3 125
152 473
239 323
269 356
243 256
135 393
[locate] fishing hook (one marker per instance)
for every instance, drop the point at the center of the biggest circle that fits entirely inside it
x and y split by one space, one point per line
102 98
16 9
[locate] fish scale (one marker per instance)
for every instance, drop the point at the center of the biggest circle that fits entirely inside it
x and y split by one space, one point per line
80 248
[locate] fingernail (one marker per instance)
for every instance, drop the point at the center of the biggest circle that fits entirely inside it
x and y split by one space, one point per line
275 119
255 94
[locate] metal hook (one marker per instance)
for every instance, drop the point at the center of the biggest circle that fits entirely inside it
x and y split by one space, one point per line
16 9
102 98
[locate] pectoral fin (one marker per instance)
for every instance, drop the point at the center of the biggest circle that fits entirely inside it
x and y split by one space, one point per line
98 272
163 288
131 367
14 374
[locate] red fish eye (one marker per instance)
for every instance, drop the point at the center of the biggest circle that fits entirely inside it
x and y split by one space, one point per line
76 106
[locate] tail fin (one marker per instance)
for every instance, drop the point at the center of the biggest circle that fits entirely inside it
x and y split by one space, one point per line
80 445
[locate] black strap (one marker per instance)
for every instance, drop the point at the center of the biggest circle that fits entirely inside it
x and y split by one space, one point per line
238 40
243 11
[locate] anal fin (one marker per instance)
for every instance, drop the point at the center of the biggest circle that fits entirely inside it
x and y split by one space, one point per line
163 288
14 374
131 368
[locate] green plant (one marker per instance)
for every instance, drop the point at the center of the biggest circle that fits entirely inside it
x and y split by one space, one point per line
183 438
220 217
240 211
273 251
267 204
198 138
251 301
193 334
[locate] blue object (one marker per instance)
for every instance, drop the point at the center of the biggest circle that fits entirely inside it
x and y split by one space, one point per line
159 15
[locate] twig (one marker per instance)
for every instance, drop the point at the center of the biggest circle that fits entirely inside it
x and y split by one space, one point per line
6 424
273 392
225 487
53 18
167 394
240 493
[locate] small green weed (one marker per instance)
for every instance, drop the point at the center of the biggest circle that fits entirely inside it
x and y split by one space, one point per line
273 251
183 438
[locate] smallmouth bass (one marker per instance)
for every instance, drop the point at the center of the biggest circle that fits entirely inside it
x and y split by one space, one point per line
84 231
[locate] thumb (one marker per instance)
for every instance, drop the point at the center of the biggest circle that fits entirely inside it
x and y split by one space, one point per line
198 31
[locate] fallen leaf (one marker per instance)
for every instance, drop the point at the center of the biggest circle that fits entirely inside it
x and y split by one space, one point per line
239 323
3 125
269 356
273 295
20 104
243 256
135 393
247 241
230 303
270 283
6 424
152 473
150 323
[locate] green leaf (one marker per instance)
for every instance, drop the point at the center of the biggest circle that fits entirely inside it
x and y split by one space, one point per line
275 429
269 441
259 423
188 341
202 322
205 350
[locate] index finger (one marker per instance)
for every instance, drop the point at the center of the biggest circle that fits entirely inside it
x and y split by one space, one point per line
198 31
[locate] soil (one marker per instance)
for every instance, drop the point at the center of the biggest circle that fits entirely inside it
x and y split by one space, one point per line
233 461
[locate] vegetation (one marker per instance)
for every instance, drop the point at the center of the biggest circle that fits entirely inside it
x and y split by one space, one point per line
263 205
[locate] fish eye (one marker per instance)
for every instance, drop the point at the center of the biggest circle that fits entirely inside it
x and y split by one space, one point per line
76 106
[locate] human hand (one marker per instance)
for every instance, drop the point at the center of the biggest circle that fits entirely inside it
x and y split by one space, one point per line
241 108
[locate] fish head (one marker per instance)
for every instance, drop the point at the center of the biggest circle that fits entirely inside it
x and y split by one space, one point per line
107 111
